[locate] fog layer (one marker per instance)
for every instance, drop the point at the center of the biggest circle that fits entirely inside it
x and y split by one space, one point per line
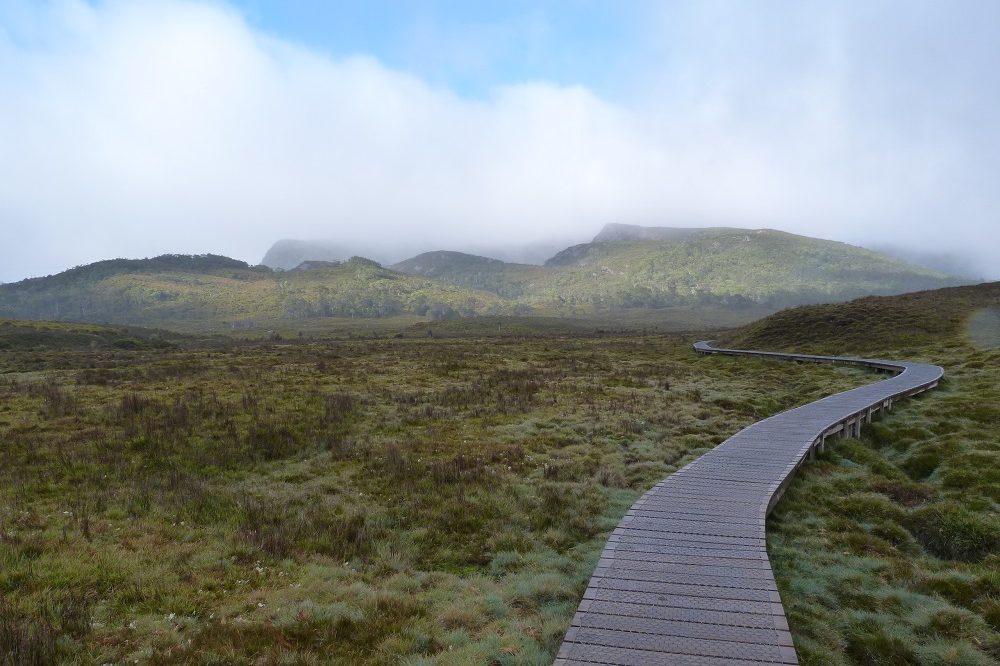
134 129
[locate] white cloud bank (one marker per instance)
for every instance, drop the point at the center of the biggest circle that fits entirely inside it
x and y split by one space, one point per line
133 129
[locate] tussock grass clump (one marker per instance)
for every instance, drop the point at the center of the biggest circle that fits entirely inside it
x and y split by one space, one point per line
870 506
874 642
24 640
949 530
922 463
279 530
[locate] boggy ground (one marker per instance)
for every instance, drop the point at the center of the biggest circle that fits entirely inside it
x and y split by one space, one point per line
393 501
887 550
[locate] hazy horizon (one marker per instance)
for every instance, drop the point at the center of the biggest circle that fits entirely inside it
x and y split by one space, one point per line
134 129
536 253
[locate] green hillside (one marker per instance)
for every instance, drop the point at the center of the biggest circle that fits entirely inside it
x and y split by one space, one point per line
885 548
17 335
867 325
509 280
642 267
209 289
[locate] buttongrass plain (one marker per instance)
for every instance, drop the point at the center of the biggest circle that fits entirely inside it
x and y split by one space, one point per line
391 500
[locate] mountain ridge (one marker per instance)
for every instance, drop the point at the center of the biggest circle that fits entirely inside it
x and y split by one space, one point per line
615 231
231 293
641 268
656 266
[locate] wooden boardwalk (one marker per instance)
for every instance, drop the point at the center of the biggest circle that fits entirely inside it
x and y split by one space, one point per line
684 579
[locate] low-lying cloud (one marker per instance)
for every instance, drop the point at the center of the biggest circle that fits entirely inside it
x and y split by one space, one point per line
134 129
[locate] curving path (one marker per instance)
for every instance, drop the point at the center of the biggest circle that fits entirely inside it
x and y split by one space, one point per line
684 579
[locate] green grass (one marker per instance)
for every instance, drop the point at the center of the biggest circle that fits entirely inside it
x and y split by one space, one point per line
364 501
887 550
47 336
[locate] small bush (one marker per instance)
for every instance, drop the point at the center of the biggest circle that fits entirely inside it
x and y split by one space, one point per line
921 465
280 531
950 623
871 643
611 477
949 530
870 506
893 533
905 493
957 588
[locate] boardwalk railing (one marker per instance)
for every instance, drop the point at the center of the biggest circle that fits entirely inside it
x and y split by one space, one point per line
684 579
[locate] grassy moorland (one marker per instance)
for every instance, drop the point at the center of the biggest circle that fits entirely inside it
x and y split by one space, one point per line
887 550
359 501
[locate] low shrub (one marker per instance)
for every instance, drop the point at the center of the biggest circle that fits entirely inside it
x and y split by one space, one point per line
870 506
949 530
921 465
871 643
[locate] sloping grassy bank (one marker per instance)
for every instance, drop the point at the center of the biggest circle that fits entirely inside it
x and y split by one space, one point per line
887 549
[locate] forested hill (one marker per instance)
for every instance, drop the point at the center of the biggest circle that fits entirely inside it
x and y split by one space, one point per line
640 268
762 266
468 270
220 291
656 267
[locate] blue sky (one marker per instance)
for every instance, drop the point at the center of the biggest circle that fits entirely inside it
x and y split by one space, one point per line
138 127
469 47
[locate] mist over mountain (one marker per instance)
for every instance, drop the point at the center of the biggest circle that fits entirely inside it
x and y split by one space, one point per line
946 262
288 253
617 232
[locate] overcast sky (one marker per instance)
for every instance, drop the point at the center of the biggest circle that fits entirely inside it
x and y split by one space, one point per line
134 128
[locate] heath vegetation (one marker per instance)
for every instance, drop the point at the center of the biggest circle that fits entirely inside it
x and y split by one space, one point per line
365 501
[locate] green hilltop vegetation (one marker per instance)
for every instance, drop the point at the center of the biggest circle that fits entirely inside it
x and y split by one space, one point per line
513 281
212 289
887 549
626 269
868 325
651 267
